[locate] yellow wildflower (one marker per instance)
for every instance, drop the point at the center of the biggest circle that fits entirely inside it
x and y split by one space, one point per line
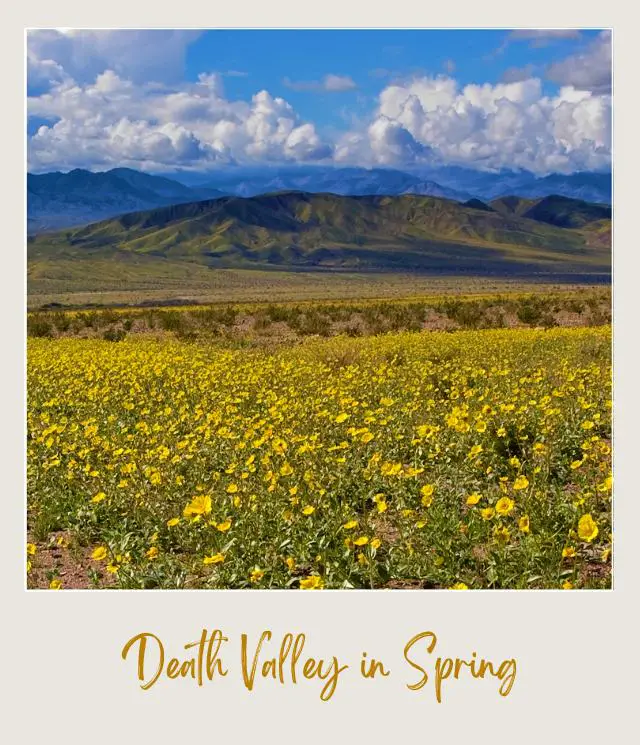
504 505
213 559
312 582
427 494
99 553
199 505
587 528
522 482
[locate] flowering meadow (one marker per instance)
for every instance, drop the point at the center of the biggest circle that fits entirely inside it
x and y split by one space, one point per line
474 459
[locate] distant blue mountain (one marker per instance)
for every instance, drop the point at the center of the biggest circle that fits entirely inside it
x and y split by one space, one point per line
57 200
344 181
449 182
588 186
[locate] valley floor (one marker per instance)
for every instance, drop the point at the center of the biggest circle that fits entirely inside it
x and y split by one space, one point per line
76 284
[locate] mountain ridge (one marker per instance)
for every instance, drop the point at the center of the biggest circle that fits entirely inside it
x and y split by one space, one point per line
295 229
453 182
58 200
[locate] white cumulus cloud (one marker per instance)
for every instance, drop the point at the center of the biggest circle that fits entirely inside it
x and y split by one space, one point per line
507 125
113 121
81 54
589 69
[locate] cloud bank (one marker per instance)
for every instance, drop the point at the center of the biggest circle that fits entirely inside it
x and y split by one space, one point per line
109 99
508 125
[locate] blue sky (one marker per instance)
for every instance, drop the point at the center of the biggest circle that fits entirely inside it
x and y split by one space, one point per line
371 58
204 100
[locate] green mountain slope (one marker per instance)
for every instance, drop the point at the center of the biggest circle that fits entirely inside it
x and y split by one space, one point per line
567 213
562 212
515 206
296 229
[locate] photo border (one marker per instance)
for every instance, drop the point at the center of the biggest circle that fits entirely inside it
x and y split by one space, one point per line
65 647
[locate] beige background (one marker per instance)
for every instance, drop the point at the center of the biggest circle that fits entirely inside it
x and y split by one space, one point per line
61 673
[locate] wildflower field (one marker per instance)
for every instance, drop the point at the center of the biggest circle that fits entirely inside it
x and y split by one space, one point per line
479 459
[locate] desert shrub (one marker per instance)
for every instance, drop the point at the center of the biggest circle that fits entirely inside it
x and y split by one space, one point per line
574 305
61 321
89 319
114 334
38 326
187 335
499 320
227 316
467 314
600 316
171 320
281 313
315 324
261 321
205 316
106 318
529 313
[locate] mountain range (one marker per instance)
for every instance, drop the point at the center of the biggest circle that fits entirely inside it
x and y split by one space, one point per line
295 230
588 186
450 182
344 181
58 200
